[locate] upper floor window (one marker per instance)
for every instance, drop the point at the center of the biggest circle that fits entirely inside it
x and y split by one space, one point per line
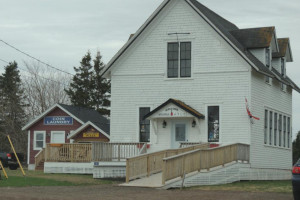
179 59
268 58
282 67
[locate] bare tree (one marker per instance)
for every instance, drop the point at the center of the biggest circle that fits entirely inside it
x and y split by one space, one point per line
43 87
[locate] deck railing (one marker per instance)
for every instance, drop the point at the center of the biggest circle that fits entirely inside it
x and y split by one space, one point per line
40 157
151 163
96 151
179 165
116 151
68 153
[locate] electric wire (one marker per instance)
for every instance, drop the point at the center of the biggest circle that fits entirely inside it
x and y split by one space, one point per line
48 79
40 61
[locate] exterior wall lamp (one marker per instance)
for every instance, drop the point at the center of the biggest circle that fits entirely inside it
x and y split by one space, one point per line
193 123
164 124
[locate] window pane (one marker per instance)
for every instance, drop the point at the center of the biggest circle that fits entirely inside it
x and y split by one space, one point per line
39 144
173 50
270 124
185 59
266 126
275 129
144 125
180 132
39 136
280 129
213 124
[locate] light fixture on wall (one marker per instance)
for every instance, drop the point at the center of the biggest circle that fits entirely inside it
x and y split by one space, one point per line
164 124
193 123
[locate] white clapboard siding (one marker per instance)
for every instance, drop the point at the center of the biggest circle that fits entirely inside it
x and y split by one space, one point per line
219 77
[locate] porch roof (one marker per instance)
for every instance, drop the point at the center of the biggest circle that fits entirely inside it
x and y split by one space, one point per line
181 105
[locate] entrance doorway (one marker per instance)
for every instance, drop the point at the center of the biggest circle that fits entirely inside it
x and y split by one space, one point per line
178 134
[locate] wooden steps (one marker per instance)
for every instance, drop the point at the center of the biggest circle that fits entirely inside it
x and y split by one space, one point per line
40 166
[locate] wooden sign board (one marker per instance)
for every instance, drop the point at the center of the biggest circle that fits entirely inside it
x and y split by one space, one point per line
91 135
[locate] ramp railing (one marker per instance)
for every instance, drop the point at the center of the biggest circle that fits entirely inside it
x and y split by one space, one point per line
181 164
151 163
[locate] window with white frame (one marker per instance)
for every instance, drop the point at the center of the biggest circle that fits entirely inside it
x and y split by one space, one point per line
179 59
284 131
288 132
280 129
271 127
39 140
266 127
268 63
275 129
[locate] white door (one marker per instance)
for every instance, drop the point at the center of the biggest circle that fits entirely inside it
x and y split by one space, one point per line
178 134
57 137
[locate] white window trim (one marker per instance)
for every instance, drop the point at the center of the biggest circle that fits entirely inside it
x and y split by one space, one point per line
138 123
186 39
34 140
220 121
57 132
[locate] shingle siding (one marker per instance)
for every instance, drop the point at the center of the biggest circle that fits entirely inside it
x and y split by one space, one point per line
219 77
271 97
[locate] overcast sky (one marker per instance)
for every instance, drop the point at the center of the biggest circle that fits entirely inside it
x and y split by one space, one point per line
60 32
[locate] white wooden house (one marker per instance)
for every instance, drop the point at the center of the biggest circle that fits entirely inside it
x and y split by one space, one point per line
184 77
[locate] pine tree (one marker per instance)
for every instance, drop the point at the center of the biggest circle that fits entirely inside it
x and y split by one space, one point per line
88 87
12 106
101 93
296 148
82 84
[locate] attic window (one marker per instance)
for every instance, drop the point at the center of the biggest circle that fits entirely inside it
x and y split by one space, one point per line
268 58
179 59
282 67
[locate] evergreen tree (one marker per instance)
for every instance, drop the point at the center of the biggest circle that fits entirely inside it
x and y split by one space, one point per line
101 93
82 84
88 88
12 107
296 148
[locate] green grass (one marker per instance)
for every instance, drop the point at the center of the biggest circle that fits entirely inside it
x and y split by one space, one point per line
38 178
252 186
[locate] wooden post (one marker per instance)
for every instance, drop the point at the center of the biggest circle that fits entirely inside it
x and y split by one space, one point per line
3 170
71 151
148 166
163 175
12 146
127 170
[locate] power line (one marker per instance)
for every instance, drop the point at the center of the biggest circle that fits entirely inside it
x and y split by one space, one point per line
35 58
48 79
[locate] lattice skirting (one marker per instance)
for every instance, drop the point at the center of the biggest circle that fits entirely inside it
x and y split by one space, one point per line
68 168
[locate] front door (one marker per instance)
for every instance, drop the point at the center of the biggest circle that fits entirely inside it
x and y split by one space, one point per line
178 134
57 137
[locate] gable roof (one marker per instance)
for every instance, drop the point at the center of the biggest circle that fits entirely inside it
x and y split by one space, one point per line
88 115
284 47
89 123
254 37
181 105
234 36
80 114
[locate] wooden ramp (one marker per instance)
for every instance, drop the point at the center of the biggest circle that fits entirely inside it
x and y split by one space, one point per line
153 181
159 169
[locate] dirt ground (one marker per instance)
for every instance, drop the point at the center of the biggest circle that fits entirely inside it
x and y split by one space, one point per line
115 192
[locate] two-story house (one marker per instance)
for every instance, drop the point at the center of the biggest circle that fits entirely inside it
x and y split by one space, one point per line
184 76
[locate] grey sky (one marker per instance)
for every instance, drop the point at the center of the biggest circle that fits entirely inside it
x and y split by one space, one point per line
61 32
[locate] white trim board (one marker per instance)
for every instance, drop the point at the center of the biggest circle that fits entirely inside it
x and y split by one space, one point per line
27 126
74 133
